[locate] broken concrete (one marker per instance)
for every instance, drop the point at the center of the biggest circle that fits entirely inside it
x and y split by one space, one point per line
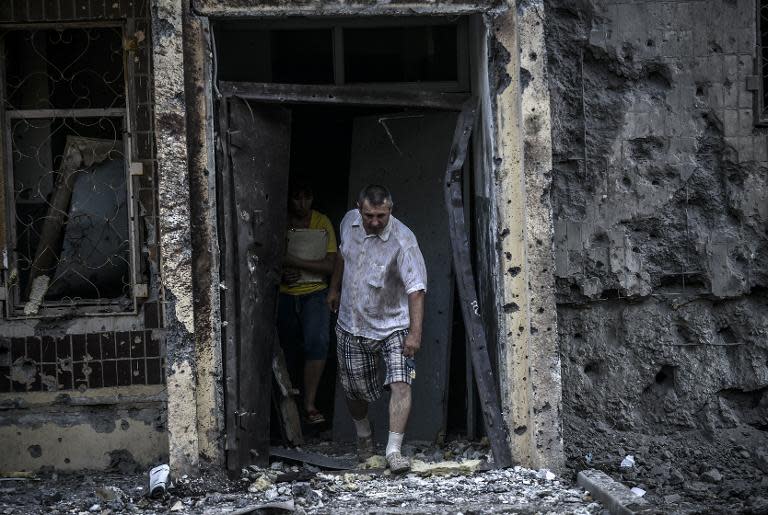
659 199
175 230
308 490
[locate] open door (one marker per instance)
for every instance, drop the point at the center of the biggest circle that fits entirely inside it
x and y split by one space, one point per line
408 152
253 194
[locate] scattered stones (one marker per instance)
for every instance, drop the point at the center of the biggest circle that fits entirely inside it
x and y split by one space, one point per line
712 476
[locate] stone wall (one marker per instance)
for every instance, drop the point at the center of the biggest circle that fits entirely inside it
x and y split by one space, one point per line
660 199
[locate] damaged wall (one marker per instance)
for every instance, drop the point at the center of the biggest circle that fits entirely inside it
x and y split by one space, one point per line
660 198
119 429
79 389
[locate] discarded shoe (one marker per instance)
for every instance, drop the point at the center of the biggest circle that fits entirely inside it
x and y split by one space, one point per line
315 417
364 447
398 463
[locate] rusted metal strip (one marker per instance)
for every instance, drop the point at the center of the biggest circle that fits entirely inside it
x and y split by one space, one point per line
465 281
347 95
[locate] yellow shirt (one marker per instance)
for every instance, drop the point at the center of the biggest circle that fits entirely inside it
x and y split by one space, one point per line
317 221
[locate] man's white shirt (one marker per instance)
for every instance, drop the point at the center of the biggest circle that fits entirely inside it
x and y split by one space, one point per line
380 270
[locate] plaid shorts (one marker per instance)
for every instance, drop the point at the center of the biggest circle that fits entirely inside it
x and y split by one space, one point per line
359 363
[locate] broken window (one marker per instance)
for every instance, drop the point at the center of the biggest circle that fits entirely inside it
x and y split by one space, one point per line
389 52
66 157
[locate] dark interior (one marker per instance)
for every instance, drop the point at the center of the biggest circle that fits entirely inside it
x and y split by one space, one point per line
321 139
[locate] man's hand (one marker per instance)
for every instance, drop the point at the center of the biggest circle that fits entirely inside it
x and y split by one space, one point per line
332 299
291 275
412 344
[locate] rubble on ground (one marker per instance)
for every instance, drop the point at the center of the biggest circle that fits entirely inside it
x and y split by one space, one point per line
683 472
446 480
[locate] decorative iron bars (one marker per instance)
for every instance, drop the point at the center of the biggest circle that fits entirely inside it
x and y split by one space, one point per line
68 184
81 361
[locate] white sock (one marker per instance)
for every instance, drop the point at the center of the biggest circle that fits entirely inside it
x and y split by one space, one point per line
394 442
363 427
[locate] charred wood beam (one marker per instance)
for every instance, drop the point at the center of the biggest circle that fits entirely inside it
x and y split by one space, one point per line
347 95
465 281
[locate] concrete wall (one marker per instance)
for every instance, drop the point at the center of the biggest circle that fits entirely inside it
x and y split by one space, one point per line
660 197
120 429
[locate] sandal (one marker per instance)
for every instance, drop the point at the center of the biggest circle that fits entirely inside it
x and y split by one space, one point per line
315 417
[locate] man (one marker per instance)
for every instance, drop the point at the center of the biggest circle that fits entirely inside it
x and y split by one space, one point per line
303 318
381 306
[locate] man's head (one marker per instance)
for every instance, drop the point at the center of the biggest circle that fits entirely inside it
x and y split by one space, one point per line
300 199
375 205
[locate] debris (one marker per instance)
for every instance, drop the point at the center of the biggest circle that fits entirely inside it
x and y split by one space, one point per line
17 475
545 474
109 493
283 505
637 491
616 497
712 476
177 506
442 468
374 462
36 293
628 462
261 484
761 459
158 480
312 458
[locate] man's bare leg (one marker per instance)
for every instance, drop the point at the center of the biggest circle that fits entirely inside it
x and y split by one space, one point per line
313 371
399 409
399 406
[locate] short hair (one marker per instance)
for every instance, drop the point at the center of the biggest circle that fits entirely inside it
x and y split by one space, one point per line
297 186
376 195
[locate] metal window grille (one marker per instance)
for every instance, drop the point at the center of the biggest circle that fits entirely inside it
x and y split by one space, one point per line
81 361
68 182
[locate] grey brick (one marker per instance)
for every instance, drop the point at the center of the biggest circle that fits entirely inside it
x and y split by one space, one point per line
746 122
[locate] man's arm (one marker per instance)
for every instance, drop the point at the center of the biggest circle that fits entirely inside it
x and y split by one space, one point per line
323 266
334 287
416 315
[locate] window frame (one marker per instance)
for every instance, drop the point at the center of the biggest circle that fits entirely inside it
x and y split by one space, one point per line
337 26
10 293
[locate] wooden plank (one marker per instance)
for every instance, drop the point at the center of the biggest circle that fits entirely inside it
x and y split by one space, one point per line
347 95
284 398
454 202
259 152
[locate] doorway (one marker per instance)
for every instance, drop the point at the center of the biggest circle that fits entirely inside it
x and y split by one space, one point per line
337 138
